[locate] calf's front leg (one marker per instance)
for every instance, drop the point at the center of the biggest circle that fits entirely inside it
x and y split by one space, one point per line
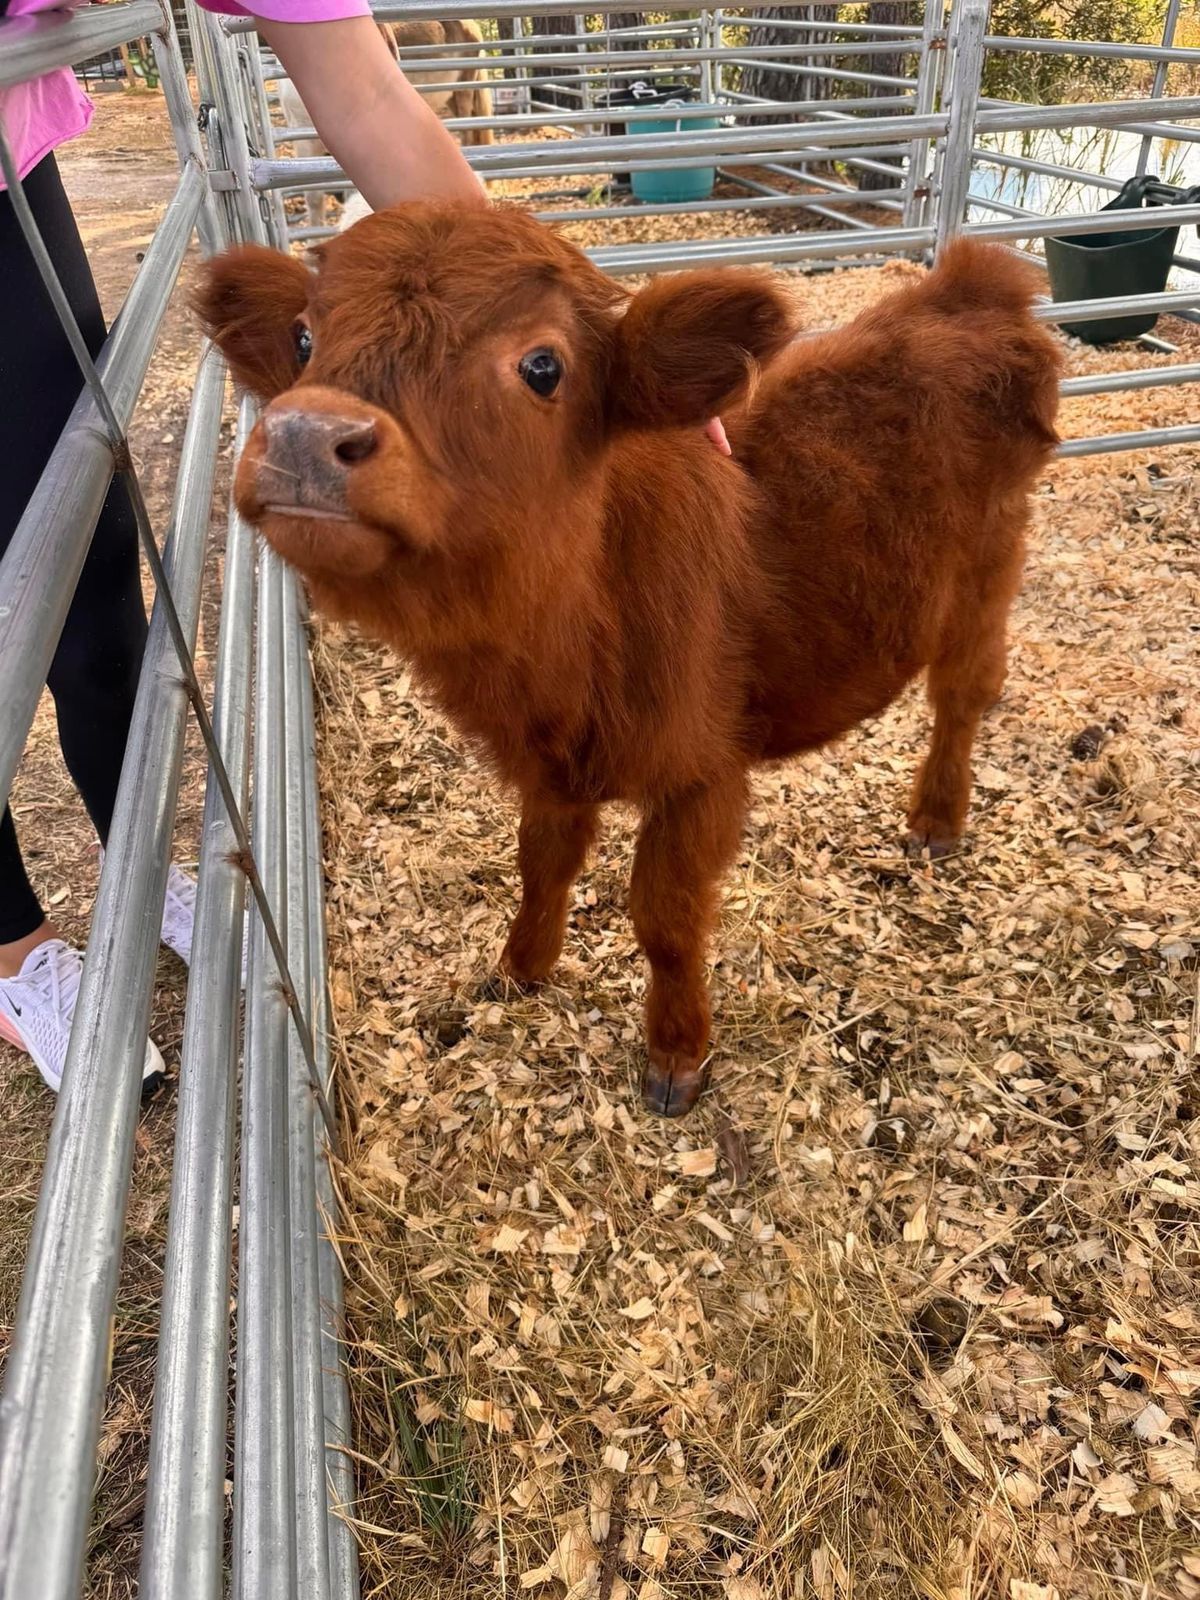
963 683
686 842
552 847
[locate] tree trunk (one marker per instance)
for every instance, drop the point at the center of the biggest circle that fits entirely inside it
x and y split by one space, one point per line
626 19
127 62
770 84
546 27
506 30
885 13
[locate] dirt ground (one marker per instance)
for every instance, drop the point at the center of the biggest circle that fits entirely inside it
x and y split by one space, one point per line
909 1306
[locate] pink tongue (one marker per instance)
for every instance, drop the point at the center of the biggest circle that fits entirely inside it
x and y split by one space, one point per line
716 432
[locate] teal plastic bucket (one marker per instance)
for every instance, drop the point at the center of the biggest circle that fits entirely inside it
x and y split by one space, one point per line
668 185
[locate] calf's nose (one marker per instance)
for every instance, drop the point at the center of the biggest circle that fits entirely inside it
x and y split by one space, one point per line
307 456
318 435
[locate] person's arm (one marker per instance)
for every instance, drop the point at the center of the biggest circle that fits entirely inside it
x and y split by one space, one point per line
385 137
375 123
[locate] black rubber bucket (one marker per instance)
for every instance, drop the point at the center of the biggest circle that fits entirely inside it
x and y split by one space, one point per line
1101 266
645 94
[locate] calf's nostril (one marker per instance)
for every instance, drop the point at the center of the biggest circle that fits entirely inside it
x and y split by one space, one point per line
356 445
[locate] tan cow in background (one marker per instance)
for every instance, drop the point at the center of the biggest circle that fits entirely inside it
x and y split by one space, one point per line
470 98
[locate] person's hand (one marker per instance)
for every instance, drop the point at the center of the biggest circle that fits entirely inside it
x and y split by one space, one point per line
715 431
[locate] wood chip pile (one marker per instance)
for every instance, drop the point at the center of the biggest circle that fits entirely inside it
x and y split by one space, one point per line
909 1306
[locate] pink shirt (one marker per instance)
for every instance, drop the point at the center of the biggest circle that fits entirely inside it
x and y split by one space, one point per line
38 116
292 10
41 115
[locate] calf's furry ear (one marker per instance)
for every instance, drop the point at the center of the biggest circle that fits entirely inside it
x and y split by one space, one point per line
690 343
249 300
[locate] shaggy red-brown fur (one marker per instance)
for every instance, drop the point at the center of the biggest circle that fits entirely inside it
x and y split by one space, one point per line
606 606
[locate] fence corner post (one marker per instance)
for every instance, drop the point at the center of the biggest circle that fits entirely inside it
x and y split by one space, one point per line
969 21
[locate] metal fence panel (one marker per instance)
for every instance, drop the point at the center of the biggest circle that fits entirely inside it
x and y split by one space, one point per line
294 1476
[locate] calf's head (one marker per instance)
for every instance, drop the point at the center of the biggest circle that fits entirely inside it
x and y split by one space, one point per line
443 388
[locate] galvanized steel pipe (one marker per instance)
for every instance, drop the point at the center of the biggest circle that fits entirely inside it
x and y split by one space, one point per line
630 259
1101 49
1037 227
264 1499
60 1353
173 79
33 45
966 68
183 1553
1148 439
1170 23
1118 306
312 1498
339 1468
518 122
1008 118
1141 378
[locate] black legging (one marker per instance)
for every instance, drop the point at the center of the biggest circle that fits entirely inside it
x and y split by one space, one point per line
94 673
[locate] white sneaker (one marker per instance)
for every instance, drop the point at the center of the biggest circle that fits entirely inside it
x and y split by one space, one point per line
37 1008
179 917
179 913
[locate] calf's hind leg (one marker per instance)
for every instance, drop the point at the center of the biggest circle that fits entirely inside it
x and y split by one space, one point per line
964 681
686 842
552 847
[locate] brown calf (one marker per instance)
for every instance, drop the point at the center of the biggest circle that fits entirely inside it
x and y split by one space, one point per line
494 460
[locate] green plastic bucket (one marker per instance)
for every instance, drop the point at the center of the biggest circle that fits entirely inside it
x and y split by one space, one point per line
1101 266
665 185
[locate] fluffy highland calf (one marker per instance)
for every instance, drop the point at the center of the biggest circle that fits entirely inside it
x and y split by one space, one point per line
488 454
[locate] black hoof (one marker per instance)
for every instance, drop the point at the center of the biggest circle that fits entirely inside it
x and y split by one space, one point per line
501 987
671 1084
923 846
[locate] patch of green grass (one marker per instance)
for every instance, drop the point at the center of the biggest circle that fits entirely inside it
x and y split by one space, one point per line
438 1477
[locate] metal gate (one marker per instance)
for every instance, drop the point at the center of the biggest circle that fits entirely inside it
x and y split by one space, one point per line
926 130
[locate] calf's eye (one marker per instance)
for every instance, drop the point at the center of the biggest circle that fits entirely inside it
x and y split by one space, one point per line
542 371
302 335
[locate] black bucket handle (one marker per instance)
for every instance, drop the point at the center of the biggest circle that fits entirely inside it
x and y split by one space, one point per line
1149 191
1170 194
